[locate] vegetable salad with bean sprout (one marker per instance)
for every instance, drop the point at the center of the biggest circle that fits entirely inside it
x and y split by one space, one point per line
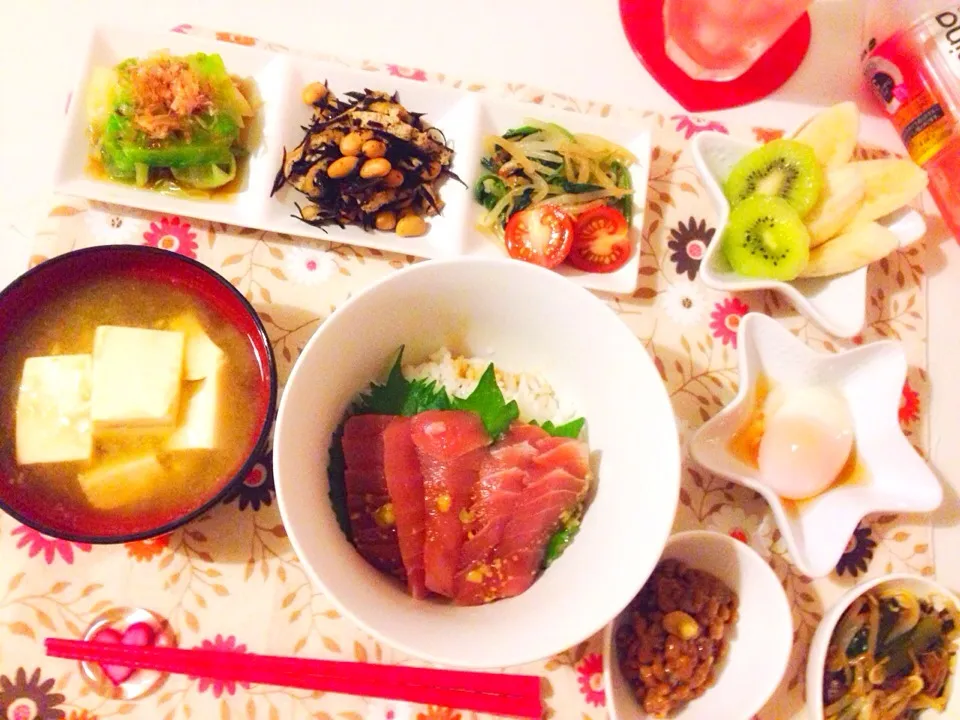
554 196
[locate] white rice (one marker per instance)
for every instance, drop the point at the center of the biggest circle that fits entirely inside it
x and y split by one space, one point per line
459 376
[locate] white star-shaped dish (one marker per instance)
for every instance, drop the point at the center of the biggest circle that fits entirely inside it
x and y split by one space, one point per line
870 379
838 304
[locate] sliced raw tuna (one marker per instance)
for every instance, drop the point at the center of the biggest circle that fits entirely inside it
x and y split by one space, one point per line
405 486
564 454
372 523
451 446
518 447
543 506
496 494
555 484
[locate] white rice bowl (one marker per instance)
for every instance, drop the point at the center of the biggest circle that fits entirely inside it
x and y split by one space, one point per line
459 375
562 353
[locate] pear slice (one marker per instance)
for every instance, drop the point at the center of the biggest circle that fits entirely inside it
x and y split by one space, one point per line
855 248
844 190
832 134
891 183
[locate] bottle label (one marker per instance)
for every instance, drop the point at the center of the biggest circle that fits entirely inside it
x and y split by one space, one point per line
901 80
944 28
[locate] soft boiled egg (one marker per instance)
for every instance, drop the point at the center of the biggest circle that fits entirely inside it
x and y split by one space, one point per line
807 441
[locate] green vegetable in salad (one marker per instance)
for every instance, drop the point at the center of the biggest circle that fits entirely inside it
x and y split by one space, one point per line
624 181
488 190
520 132
206 177
123 147
169 118
544 163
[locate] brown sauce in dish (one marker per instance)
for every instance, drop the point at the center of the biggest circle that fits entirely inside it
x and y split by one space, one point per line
854 474
745 442
163 182
745 446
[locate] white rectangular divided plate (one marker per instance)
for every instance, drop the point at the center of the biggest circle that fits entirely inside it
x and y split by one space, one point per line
463 117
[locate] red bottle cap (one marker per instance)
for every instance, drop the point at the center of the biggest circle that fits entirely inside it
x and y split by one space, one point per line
643 24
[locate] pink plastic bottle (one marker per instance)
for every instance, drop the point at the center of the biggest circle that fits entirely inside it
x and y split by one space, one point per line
912 62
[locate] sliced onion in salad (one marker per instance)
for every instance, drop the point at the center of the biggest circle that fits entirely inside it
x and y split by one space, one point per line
541 162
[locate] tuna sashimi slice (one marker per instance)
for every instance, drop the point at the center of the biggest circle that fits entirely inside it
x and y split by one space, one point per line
517 448
372 526
550 494
451 446
405 485
503 475
495 498
558 452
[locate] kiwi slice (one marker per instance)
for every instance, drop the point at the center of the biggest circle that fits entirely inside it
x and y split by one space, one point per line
786 169
765 238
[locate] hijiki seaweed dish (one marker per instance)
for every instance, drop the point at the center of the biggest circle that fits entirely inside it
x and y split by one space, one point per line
891 657
366 161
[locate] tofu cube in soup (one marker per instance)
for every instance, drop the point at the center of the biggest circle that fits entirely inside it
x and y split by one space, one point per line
53 410
137 376
202 356
122 482
119 411
197 428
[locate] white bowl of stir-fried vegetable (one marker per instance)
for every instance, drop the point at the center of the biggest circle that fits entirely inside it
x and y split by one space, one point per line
886 651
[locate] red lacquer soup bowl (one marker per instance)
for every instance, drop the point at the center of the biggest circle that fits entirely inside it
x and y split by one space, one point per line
54 309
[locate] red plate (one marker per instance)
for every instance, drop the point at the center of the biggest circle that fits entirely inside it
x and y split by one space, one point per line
643 25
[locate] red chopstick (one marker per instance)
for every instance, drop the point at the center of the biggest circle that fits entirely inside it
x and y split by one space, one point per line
514 695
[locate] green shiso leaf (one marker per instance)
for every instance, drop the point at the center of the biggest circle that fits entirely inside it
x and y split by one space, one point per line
399 396
389 398
487 401
569 429
336 474
423 395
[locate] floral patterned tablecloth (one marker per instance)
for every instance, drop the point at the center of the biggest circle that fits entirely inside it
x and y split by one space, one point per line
231 581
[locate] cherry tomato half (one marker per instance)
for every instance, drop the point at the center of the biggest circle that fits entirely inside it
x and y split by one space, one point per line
600 241
541 235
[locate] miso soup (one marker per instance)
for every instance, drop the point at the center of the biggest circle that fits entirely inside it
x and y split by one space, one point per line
126 403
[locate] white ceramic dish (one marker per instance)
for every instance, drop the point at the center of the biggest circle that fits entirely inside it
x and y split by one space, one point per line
496 118
837 304
870 379
524 318
759 649
464 118
820 644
